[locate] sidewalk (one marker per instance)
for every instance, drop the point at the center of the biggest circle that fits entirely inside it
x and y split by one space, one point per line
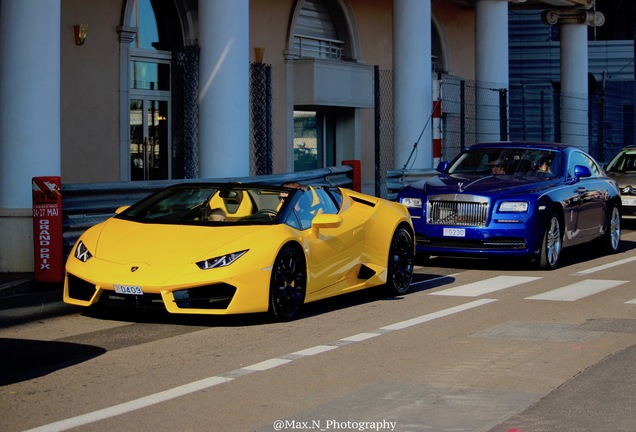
24 300
16 283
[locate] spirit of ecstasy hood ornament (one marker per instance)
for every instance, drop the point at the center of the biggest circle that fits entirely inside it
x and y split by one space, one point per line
460 186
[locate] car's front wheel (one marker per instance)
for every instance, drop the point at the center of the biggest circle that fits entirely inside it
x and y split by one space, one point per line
288 284
401 258
551 244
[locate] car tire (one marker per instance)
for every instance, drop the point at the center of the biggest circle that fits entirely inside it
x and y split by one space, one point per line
551 244
611 238
400 265
288 284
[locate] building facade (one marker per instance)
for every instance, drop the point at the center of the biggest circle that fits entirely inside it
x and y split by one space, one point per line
140 90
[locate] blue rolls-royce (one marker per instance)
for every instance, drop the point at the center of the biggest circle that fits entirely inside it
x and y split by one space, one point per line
511 199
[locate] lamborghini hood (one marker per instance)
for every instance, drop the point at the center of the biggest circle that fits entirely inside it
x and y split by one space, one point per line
122 241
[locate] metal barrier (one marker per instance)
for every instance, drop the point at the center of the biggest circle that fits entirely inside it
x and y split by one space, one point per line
86 204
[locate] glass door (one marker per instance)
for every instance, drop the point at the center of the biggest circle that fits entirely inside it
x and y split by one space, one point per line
149 139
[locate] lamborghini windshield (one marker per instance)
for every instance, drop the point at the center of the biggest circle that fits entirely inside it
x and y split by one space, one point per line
235 204
210 204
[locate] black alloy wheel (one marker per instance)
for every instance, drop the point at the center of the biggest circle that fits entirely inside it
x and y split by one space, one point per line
401 259
288 284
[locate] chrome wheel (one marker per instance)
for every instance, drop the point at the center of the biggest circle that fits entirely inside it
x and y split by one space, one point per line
612 236
551 245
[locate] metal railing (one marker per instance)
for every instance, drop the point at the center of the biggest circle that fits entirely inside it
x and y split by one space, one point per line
313 47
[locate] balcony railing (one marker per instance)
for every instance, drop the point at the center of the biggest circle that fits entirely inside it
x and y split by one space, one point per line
312 47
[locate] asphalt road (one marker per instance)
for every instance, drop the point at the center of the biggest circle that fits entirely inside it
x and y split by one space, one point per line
475 346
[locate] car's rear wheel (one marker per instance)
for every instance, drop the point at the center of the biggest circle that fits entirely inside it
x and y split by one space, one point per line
612 237
552 244
400 266
288 284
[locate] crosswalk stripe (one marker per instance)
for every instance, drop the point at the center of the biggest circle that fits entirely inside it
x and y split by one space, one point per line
577 290
631 301
606 266
486 286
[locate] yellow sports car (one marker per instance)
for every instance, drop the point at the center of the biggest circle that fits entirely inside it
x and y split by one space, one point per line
229 248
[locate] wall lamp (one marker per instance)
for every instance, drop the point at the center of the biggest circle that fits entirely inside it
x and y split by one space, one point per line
80 33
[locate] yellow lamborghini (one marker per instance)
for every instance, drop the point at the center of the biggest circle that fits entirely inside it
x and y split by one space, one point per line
229 248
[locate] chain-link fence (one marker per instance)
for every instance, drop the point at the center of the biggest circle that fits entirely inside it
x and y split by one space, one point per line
185 113
524 113
474 112
261 142
612 119
384 159
536 114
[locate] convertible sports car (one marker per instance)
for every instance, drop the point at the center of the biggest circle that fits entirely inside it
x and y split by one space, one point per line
622 168
227 248
524 200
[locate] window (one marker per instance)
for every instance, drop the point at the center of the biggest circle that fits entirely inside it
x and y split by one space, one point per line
143 18
316 34
149 98
314 140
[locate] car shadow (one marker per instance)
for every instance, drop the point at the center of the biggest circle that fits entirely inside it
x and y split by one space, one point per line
161 316
24 359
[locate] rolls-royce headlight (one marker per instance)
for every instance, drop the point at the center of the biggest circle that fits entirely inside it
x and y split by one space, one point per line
221 261
82 253
513 207
411 202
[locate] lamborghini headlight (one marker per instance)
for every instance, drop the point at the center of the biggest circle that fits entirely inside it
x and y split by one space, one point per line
411 202
82 253
513 207
221 261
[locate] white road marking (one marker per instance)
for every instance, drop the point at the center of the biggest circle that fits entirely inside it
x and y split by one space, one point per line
318 349
267 364
631 301
206 383
606 266
360 337
486 286
435 315
578 290
133 405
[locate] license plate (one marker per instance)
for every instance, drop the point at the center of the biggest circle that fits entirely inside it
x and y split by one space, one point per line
128 289
454 232
629 201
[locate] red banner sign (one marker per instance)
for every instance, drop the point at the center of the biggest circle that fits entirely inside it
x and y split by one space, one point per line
47 229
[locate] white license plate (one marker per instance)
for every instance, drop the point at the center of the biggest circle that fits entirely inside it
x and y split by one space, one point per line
128 289
629 201
454 232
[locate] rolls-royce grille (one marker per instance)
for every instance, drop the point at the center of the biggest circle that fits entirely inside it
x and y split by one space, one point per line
462 210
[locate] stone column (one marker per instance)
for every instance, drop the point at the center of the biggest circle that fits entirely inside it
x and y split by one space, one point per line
574 71
224 122
29 118
412 84
491 66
